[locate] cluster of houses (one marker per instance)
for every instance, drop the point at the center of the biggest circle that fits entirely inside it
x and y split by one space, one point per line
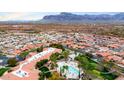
102 48
14 43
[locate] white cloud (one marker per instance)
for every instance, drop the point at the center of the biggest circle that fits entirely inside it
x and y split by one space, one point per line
13 16
6 16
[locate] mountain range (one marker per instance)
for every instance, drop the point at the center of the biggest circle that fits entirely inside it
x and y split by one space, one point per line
65 17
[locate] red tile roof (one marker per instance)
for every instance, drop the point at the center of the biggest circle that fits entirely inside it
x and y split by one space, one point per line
104 54
114 57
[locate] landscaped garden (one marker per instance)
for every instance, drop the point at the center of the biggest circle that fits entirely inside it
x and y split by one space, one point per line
50 71
93 70
3 70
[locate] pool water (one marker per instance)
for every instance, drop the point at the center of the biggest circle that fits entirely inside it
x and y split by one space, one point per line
73 70
20 73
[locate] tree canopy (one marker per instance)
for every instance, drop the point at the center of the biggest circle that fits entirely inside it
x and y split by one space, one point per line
40 49
12 62
59 46
41 63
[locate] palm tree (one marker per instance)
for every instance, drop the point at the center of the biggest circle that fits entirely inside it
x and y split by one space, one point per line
79 66
66 54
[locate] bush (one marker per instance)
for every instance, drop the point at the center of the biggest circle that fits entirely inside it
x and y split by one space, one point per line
54 57
12 62
41 63
45 72
106 75
3 70
55 76
40 49
24 54
65 54
42 77
59 46
89 55
60 57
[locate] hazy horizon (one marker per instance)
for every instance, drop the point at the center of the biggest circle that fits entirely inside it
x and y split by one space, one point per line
32 16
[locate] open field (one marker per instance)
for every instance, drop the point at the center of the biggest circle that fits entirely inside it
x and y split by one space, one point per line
101 29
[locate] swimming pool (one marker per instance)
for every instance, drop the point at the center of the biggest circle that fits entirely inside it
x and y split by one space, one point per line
20 73
71 73
73 70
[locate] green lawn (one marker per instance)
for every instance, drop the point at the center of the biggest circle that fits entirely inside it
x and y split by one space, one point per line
3 70
94 69
25 53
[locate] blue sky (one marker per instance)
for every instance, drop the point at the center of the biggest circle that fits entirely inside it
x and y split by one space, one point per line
7 16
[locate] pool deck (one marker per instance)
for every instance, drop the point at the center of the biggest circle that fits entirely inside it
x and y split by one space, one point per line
72 72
